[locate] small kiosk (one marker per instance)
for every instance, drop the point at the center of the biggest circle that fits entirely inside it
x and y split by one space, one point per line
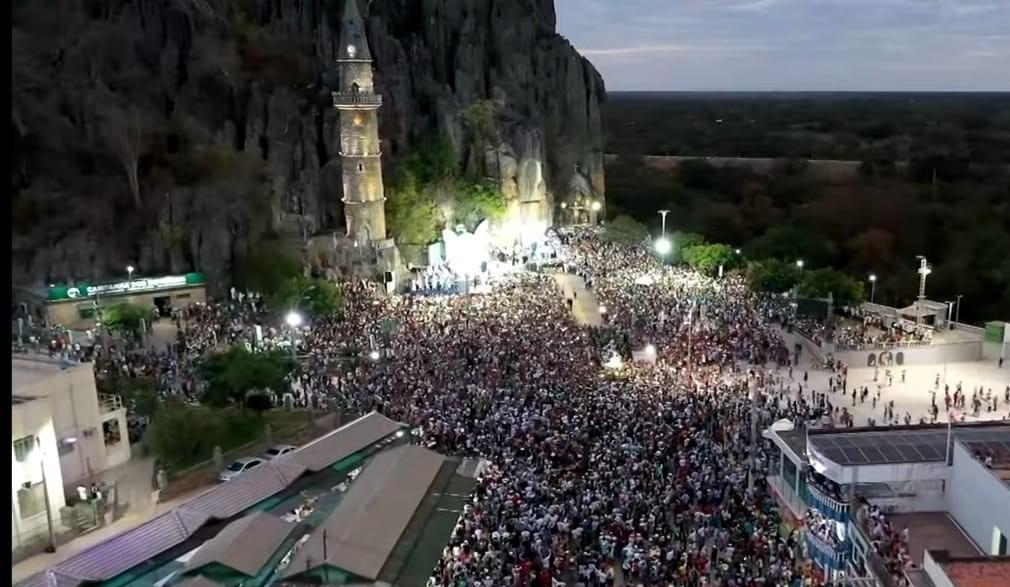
75 306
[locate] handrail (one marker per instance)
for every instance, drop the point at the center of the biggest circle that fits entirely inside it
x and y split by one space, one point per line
341 98
835 505
109 402
883 346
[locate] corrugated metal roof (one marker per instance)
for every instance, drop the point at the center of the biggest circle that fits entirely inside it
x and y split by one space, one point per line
246 490
127 550
344 441
364 529
245 545
131 548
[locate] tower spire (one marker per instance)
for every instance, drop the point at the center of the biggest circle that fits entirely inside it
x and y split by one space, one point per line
353 44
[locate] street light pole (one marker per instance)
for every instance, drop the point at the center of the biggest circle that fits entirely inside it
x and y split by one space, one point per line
873 287
663 214
753 436
957 312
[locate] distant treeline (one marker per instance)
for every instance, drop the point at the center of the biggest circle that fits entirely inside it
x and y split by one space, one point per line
951 202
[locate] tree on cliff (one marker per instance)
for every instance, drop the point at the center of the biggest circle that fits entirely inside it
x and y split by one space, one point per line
124 129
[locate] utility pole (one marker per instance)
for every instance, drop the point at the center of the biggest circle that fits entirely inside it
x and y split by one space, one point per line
51 547
753 435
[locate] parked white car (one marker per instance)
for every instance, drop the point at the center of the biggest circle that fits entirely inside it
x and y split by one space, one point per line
238 467
278 450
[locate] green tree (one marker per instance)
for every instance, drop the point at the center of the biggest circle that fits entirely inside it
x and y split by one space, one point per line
625 229
181 435
318 297
476 202
708 258
125 318
789 243
266 267
685 240
412 216
772 275
433 161
819 283
235 373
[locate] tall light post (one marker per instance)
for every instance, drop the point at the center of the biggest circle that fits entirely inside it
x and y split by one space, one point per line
873 286
662 214
924 270
957 312
294 320
129 273
799 263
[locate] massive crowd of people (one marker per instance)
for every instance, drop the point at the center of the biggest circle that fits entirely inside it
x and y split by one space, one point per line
597 475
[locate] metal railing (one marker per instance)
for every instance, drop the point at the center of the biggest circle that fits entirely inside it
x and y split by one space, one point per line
108 402
968 328
881 346
830 556
828 506
345 99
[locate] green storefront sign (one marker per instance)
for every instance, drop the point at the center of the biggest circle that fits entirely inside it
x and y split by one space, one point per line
86 290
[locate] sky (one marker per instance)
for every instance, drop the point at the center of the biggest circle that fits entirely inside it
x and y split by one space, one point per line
793 45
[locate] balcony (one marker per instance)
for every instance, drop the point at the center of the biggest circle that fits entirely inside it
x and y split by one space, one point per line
364 101
828 556
788 497
826 505
109 403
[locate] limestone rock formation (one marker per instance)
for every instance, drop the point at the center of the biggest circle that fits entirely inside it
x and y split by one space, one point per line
237 137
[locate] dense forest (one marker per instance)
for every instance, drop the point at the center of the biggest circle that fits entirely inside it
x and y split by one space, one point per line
930 177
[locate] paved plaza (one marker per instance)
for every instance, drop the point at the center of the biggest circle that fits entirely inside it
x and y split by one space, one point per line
915 394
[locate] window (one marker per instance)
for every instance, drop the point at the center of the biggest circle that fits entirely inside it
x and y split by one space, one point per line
86 311
23 448
65 447
361 167
184 296
31 500
110 429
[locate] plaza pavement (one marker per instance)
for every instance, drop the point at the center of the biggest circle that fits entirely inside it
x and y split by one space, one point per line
914 395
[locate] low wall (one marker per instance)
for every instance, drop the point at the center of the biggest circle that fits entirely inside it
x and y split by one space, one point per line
955 352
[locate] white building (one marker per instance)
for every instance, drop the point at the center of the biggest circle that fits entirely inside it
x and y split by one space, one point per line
35 467
59 423
949 491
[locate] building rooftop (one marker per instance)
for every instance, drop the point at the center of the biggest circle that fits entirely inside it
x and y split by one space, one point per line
139 548
933 531
990 572
361 534
27 370
975 571
245 545
904 444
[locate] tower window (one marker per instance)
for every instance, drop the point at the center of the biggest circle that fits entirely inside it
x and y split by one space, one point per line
358 120
351 50
361 167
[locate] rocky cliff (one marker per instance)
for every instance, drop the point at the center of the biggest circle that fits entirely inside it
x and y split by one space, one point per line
173 134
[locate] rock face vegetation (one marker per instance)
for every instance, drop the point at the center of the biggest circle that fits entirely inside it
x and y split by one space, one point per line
178 134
